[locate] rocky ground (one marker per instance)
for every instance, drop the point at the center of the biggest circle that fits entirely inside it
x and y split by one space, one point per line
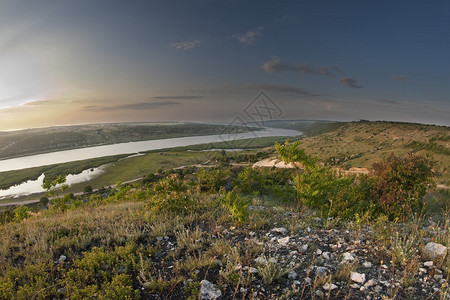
310 260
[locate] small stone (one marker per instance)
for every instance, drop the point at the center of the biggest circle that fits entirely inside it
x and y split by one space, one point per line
370 283
321 271
253 270
358 277
318 252
319 293
296 282
283 241
308 229
435 250
62 258
329 286
422 270
293 252
237 267
326 255
273 260
438 277
378 289
292 275
367 264
260 260
159 238
209 291
304 248
355 286
281 230
347 256
428 264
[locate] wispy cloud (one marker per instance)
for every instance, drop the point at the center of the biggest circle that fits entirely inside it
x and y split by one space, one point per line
350 82
399 77
185 45
144 105
276 65
250 37
292 90
179 97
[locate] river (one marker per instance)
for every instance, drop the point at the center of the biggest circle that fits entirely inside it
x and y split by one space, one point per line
34 186
60 157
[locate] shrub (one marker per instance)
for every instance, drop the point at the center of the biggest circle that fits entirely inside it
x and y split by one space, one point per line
212 180
236 205
21 213
400 184
87 189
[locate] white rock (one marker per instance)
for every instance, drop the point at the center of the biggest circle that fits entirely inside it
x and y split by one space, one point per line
260 260
209 291
253 270
428 264
347 256
304 248
329 286
281 230
292 275
273 260
367 264
435 250
326 255
284 241
358 277
355 286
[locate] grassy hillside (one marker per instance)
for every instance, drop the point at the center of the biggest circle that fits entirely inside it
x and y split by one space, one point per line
360 144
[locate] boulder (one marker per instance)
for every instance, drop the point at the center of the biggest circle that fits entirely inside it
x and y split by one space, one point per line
435 251
209 291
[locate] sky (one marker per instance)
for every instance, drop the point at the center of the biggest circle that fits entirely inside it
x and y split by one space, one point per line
90 61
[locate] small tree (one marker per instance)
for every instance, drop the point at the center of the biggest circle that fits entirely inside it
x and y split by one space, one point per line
293 154
400 184
43 201
21 212
52 186
87 189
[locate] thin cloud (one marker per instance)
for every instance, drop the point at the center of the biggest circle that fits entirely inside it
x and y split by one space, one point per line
276 65
179 97
350 82
250 37
133 106
186 45
399 77
281 88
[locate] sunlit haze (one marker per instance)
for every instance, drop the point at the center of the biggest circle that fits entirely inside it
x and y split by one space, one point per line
72 62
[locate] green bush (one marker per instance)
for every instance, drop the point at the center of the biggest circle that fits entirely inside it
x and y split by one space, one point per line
21 213
400 184
236 205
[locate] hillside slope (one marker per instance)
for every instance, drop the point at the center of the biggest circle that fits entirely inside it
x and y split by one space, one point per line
360 144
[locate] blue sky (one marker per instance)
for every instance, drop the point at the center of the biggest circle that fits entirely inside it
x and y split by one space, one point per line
71 62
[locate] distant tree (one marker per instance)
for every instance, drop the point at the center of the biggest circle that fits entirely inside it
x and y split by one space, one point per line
43 201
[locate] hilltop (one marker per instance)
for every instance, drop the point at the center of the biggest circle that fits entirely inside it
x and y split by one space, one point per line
360 144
